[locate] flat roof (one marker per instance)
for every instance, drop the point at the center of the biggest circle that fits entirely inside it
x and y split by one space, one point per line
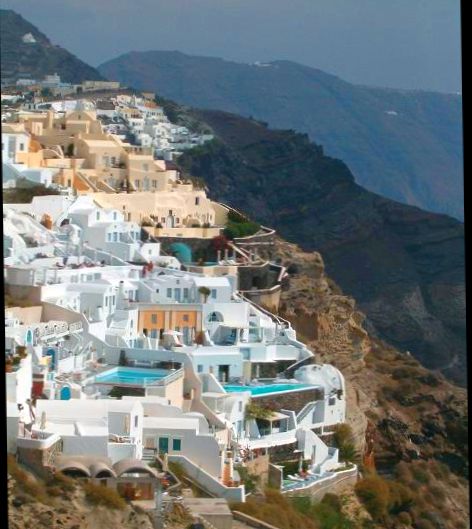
172 423
204 506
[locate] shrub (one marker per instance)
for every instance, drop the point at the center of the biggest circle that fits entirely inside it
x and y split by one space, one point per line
343 439
25 481
374 493
99 495
64 482
55 491
420 475
250 480
177 469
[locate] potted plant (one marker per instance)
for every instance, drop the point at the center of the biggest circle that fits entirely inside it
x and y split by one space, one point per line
16 361
21 351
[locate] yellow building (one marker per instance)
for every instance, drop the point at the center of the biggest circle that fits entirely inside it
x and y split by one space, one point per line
157 319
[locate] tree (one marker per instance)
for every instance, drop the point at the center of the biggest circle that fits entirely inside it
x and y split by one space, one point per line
205 292
343 439
254 411
46 92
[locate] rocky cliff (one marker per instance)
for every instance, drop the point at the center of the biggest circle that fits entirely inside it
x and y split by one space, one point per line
404 266
404 417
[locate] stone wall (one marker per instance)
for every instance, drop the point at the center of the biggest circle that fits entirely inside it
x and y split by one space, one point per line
40 460
293 400
276 476
336 484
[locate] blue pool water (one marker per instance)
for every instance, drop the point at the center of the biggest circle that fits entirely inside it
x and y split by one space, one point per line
267 389
128 376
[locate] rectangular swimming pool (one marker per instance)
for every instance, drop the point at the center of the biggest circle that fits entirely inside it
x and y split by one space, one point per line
131 376
267 389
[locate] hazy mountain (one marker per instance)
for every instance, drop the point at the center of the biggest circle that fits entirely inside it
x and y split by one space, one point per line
404 266
405 145
35 60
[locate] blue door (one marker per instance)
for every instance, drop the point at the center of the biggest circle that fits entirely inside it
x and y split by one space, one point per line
163 445
65 393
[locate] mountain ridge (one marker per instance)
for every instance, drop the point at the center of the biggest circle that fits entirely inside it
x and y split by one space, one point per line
403 144
37 59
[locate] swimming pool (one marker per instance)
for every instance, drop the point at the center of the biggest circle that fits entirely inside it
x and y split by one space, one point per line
267 389
130 376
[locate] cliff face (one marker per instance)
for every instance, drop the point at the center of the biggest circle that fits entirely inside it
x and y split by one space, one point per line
404 266
35 60
405 145
401 414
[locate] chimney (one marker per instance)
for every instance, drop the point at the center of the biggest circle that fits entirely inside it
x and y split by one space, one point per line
121 301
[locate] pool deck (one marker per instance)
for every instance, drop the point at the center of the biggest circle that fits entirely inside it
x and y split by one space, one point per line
262 390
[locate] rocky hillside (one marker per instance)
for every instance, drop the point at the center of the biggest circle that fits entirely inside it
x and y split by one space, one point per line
413 422
404 266
405 145
35 60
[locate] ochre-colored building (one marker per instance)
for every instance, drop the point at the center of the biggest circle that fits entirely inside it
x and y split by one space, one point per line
184 318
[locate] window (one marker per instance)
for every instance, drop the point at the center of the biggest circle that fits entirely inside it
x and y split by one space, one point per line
215 316
185 317
177 444
136 418
154 318
109 237
213 293
169 292
154 333
114 215
197 201
200 368
97 215
22 146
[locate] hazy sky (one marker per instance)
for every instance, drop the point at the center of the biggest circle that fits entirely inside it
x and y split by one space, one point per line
396 43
